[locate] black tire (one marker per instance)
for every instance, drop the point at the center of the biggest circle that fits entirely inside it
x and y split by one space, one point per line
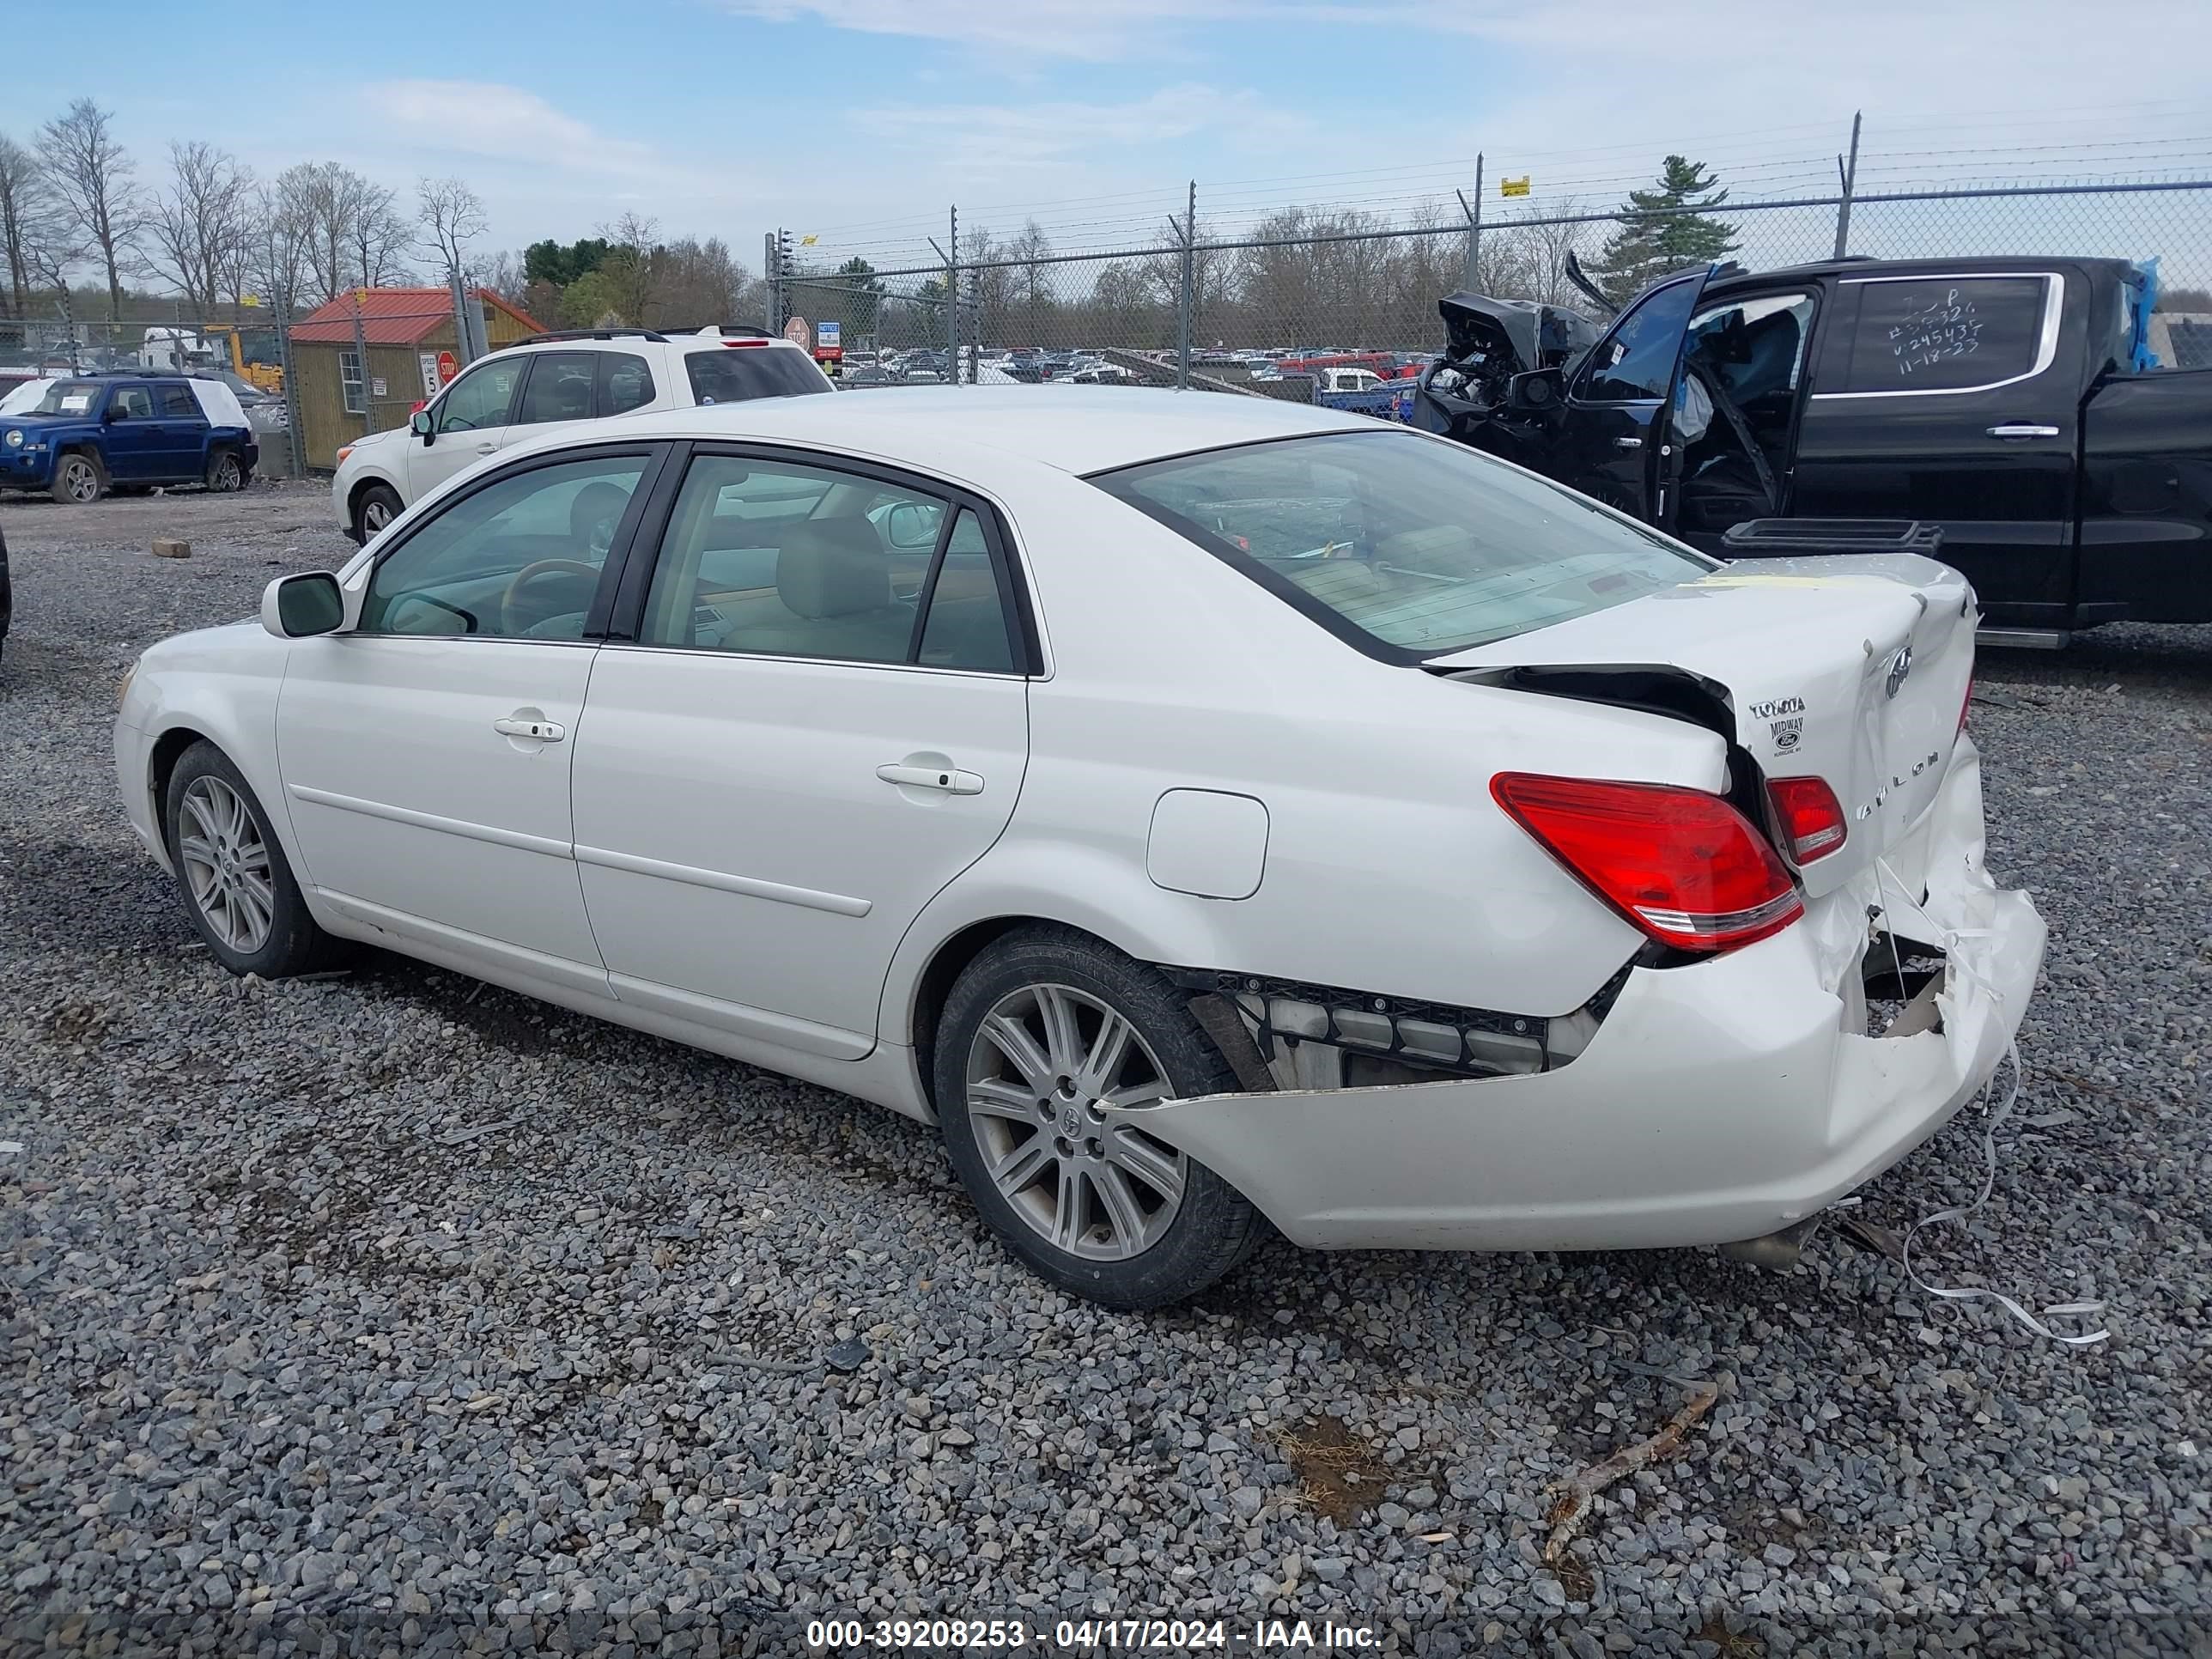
296 943
225 472
1214 1226
382 499
70 470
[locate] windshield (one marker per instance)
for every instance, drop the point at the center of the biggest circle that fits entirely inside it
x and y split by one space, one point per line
69 397
735 373
1411 548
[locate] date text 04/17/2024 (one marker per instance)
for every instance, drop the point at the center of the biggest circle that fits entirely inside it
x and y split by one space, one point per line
1261 1636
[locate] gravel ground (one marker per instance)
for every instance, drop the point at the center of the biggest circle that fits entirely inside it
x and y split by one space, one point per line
393 1313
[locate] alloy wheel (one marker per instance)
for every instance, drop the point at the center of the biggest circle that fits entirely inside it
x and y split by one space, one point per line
1047 1062
374 515
79 482
226 865
227 476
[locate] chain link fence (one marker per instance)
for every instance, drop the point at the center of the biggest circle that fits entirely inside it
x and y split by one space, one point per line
1188 308
249 351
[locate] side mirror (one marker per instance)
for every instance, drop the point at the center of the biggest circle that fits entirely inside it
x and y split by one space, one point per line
294 607
110 415
1539 388
910 525
419 424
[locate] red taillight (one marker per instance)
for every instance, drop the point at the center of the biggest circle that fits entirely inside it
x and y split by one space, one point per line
744 343
1681 865
1812 818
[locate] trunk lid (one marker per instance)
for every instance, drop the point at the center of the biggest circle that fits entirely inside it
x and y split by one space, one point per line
1851 670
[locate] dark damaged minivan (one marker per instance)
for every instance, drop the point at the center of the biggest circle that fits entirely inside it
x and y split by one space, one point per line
2006 415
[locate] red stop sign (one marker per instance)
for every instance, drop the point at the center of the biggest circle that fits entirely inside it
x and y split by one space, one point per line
448 367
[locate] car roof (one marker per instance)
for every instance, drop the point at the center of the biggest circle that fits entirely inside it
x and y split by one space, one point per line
629 339
1072 428
1996 266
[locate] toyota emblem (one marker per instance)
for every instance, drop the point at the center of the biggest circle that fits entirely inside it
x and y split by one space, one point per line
1900 670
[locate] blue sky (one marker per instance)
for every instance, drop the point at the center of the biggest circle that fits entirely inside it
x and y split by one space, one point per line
860 120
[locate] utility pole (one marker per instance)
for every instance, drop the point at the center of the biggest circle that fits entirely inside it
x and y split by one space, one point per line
1850 177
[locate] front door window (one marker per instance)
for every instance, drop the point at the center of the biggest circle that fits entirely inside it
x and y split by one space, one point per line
479 398
519 559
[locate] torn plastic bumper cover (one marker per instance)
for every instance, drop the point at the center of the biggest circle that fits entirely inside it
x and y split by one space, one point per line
1716 1102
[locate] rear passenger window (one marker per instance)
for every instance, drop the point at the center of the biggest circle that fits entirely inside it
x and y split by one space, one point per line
736 373
778 559
560 388
626 382
967 625
177 404
1944 334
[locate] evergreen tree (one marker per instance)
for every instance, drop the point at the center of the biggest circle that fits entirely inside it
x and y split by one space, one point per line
1665 229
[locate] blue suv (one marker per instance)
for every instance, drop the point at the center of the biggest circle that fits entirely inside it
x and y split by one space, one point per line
92 433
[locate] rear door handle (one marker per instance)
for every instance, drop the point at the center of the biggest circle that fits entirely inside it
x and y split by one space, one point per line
486 449
950 779
541 730
1628 443
2023 432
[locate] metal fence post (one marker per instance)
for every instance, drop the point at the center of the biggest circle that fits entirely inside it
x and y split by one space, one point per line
772 268
1851 175
467 331
1188 305
295 440
1474 281
360 360
953 291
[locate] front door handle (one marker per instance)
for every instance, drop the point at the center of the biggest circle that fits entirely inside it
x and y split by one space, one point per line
486 449
2023 432
1628 443
542 730
950 779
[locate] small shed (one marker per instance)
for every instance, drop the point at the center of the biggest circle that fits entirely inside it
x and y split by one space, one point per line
407 331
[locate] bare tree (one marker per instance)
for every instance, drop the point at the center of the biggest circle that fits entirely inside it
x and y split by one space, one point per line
697 282
632 283
95 179
451 216
277 256
382 235
27 217
1031 251
1548 243
356 236
200 221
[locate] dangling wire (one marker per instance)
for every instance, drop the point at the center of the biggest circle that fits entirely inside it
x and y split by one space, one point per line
1962 964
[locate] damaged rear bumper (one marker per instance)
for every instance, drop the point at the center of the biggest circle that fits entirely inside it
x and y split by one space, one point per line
1718 1101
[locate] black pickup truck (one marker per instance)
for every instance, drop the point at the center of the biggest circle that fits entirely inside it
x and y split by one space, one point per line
2009 405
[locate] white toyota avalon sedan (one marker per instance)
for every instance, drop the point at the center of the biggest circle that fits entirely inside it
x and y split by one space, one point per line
1208 812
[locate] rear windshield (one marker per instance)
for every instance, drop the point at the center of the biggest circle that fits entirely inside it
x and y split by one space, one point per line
1406 547
69 397
735 373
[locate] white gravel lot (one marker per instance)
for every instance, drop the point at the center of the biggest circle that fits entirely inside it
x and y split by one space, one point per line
390 1313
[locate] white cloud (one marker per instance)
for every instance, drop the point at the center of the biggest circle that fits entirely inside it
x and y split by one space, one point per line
1061 28
488 121
995 136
